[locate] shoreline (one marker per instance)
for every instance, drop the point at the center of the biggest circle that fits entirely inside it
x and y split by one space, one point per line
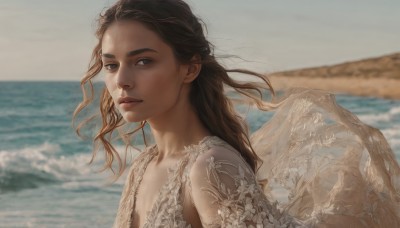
373 87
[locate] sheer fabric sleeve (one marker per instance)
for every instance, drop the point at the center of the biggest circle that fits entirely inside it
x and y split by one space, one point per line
326 167
226 193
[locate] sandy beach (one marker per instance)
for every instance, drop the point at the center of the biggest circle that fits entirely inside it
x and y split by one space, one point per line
376 87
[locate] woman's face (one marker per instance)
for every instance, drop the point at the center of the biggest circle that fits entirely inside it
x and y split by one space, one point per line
141 72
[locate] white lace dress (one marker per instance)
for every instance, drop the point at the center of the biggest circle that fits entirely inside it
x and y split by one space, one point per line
322 168
235 198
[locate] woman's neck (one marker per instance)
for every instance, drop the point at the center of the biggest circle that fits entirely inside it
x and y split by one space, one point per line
175 130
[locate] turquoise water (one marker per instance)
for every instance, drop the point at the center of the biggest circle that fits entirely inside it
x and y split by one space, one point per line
44 177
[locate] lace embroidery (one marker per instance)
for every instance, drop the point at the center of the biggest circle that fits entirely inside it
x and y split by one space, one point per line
127 201
239 200
325 166
320 162
168 209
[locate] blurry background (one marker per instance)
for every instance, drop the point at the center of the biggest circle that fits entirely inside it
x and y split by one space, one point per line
349 47
52 40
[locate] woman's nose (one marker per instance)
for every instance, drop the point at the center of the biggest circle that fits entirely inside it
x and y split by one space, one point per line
125 79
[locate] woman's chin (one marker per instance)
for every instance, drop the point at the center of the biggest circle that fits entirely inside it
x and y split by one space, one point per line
132 118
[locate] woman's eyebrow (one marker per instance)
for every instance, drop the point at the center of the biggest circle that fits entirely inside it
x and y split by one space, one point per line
130 53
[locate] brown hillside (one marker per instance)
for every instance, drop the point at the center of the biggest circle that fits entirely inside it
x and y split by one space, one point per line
378 77
387 66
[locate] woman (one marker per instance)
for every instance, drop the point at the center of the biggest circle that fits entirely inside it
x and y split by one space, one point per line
160 70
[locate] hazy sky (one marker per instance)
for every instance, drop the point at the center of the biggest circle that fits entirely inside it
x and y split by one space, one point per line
52 39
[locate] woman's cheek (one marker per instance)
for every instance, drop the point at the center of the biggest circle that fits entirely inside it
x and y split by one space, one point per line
153 82
110 84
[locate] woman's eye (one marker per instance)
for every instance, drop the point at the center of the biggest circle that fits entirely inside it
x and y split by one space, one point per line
110 66
143 62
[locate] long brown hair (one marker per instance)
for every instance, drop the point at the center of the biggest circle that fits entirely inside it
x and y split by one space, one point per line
175 23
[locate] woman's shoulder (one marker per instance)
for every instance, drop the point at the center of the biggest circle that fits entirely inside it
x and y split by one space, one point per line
225 191
212 146
217 156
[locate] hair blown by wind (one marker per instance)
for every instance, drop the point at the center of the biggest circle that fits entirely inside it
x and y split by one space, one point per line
178 27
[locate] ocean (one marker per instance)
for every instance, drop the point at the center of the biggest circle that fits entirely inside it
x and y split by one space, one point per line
45 179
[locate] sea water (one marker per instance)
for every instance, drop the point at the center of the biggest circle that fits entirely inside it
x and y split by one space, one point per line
45 179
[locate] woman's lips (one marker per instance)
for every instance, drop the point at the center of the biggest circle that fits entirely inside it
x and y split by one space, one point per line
128 102
131 104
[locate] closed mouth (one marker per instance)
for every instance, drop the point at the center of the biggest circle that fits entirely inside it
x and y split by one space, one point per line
124 100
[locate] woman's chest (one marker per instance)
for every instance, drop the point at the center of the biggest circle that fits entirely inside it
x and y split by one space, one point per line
160 196
152 184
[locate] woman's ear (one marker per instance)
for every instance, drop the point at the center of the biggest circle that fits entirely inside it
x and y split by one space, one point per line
193 69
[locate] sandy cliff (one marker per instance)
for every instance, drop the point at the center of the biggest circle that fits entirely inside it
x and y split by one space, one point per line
378 76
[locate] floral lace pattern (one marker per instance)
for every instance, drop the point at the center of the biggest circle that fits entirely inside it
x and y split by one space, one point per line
242 204
322 167
239 205
326 167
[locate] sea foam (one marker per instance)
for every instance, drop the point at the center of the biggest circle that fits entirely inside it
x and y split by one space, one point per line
393 112
34 166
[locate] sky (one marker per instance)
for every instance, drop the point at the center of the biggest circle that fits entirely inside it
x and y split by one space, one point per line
53 39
